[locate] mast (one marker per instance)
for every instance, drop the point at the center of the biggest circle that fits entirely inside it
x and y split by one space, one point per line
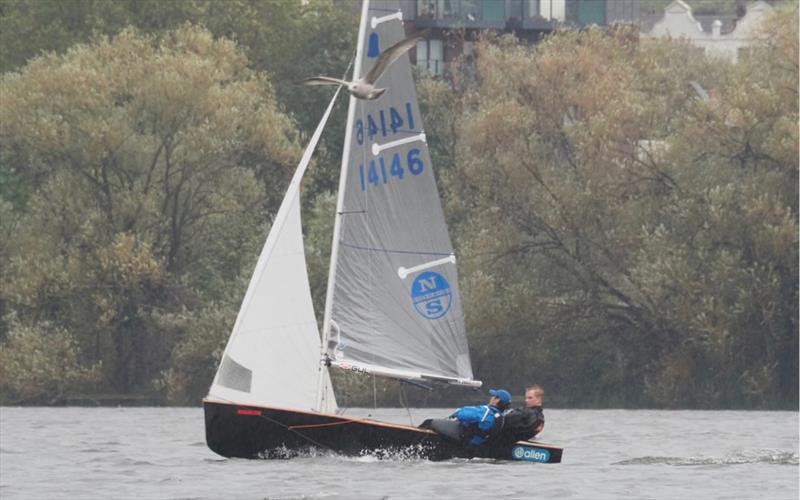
326 324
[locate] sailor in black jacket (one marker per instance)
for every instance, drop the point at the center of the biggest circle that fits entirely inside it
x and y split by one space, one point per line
526 422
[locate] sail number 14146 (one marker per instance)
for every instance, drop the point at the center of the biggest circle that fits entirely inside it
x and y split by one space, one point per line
378 172
387 121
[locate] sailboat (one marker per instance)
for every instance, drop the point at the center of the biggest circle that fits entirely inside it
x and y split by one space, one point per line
392 308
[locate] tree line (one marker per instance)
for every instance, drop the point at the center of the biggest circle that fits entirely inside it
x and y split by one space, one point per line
625 239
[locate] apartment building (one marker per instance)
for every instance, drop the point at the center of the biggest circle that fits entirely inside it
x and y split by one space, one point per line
455 24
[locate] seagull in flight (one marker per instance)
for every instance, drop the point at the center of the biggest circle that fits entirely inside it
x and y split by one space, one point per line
364 88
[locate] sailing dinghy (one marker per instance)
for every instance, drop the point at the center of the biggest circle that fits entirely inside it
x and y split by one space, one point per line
393 306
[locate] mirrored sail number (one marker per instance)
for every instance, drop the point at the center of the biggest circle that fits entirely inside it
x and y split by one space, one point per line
386 122
378 172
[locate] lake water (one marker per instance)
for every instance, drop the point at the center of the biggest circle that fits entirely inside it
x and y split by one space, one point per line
160 453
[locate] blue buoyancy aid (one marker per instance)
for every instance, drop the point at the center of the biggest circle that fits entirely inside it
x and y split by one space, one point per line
478 421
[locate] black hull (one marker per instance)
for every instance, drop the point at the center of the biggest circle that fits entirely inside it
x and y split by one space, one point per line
257 432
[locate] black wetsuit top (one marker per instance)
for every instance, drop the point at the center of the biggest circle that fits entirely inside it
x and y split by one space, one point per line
520 422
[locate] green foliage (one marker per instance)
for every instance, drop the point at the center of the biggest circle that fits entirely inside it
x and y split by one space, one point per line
194 359
318 234
620 241
628 243
40 364
149 163
287 40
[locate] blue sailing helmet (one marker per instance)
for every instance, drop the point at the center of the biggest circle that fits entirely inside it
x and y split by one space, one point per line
503 394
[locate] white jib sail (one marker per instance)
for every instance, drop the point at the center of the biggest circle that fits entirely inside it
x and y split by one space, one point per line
272 356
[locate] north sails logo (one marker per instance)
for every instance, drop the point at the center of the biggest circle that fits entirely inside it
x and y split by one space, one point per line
431 295
530 454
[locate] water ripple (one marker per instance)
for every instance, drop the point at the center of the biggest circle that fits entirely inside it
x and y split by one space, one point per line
101 453
771 457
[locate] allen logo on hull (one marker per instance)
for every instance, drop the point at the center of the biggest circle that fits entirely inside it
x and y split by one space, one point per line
530 454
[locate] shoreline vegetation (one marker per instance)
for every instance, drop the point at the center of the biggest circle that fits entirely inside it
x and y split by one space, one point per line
624 240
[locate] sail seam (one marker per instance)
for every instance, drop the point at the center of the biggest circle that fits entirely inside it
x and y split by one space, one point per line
387 250
277 327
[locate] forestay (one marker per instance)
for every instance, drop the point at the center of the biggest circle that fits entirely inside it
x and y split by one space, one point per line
394 302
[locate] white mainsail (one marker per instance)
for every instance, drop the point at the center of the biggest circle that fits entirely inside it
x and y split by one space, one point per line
393 306
272 356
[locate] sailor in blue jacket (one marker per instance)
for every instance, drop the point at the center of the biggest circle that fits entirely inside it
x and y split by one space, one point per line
481 422
473 425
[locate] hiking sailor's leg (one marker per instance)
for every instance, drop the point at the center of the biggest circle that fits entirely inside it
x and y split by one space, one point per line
447 427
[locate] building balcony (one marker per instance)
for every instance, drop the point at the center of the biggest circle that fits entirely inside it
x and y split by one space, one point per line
536 15
460 14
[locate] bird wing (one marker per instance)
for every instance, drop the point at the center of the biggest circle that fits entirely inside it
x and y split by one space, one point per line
391 54
324 80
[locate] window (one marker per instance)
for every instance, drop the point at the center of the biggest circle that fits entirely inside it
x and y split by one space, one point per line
532 8
516 9
470 10
591 12
553 10
494 10
523 9
435 9
425 9
430 55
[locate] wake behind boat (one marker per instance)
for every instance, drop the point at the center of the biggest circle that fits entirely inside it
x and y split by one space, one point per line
393 306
